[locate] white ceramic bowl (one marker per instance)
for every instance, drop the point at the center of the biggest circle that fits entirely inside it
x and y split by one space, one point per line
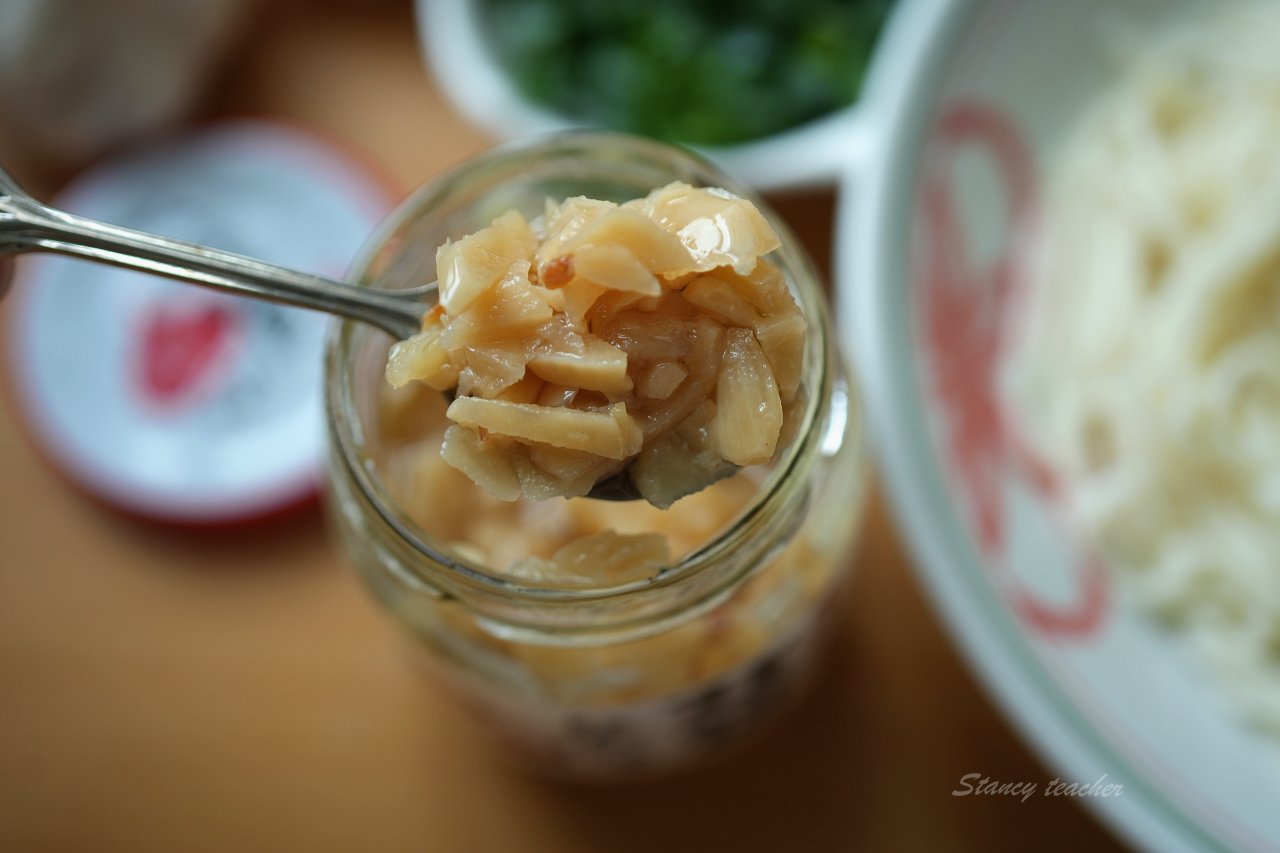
972 97
812 154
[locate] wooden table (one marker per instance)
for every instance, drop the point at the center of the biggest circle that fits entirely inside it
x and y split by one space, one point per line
168 691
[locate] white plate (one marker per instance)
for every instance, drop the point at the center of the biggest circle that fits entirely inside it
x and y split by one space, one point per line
973 96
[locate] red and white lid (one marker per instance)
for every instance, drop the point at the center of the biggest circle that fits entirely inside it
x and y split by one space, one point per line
172 401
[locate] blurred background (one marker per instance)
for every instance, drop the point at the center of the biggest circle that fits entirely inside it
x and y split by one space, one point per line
172 687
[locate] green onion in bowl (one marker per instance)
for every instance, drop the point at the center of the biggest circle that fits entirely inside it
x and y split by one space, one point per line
710 73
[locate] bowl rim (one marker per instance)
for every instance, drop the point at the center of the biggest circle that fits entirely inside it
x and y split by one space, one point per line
901 86
814 154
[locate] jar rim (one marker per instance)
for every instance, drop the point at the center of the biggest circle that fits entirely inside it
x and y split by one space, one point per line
773 493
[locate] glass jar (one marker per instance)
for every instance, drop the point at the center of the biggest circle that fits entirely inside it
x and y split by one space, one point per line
607 682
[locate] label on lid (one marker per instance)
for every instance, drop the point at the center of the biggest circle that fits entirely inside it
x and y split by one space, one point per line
168 399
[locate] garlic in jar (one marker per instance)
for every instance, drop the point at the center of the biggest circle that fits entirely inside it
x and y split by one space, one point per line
653 335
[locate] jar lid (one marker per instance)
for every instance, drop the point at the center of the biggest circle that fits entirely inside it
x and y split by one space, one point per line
174 402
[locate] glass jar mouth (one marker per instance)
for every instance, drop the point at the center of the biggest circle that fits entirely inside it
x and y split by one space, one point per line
439 572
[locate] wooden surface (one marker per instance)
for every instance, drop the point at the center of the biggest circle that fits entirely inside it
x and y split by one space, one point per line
166 691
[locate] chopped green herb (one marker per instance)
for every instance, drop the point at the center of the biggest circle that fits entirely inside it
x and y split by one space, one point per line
706 73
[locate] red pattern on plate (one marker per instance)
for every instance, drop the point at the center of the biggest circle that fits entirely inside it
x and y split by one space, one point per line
964 307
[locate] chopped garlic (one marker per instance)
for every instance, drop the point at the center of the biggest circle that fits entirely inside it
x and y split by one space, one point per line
599 335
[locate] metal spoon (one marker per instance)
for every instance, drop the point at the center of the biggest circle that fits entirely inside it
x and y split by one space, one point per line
27 225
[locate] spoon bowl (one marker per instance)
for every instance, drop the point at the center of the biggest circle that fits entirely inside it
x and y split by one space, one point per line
28 225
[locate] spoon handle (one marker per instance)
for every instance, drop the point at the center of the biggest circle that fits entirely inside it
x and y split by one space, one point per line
27 225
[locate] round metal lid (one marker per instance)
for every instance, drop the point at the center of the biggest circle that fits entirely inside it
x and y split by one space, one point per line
164 399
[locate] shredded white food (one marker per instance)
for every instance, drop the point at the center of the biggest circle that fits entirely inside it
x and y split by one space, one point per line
1149 369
